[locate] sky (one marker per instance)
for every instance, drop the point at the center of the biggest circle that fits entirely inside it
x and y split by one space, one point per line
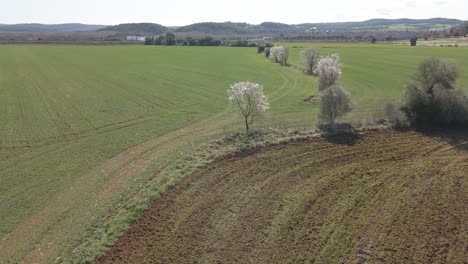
184 12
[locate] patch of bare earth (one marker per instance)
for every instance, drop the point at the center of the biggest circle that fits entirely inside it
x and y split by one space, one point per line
390 197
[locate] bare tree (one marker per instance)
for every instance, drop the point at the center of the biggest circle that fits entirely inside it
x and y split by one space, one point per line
248 100
334 102
434 72
310 57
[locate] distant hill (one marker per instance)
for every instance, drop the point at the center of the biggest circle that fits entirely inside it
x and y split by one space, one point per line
272 27
50 28
233 28
137 28
217 28
388 24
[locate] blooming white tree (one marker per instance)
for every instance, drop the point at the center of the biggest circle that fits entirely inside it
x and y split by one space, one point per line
334 102
248 100
328 71
283 55
274 53
310 57
279 54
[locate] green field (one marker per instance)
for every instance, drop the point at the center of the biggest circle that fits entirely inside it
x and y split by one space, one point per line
82 127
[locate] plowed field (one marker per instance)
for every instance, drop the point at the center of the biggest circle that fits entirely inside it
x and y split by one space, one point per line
389 197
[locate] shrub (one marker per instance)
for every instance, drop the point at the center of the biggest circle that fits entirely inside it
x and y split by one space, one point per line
310 57
170 39
159 40
149 41
239 43
283 55
328 71
431 99
279 54
274 53
334 102
393 114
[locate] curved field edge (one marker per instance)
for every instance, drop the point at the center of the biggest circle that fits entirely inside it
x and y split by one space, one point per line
388 201
107 231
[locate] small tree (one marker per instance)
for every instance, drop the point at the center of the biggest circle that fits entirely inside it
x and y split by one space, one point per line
431 99
159 40
328 71
274 53
149 41
170 39
279 54
334 102
283 55
434 72
248 100
310 57
413 41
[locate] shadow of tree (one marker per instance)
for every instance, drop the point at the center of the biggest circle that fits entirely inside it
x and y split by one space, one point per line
342 134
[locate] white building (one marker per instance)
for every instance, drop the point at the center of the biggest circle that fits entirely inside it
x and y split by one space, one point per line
135 38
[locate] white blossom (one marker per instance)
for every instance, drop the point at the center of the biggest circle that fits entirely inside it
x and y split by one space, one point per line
328 71
274 53
248 100
279 54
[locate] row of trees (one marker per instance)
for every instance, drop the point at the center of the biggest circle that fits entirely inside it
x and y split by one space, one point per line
251 103
430 100
170 39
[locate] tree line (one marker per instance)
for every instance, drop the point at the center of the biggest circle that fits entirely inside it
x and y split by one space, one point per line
430 101
169 39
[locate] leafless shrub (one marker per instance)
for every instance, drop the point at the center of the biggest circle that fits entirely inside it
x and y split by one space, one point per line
334 102
310 57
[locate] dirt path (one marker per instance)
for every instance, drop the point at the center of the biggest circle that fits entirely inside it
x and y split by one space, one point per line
385 203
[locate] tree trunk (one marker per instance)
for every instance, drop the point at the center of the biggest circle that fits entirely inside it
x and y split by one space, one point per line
246 125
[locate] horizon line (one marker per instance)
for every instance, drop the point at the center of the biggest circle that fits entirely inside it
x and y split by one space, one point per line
332 22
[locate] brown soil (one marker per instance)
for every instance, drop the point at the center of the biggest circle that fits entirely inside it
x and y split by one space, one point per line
389 198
